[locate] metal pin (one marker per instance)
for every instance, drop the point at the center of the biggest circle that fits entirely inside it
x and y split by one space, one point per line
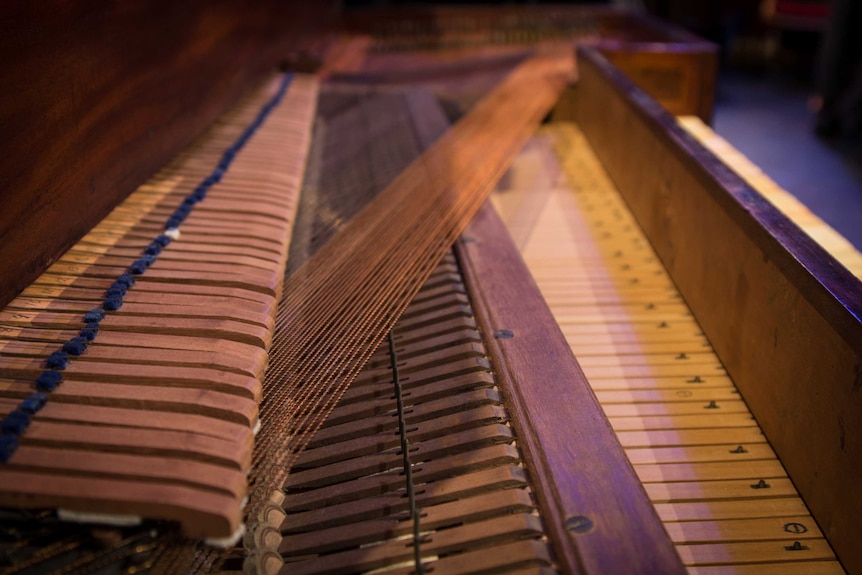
739 449
579 524
762 484
712 405
504 334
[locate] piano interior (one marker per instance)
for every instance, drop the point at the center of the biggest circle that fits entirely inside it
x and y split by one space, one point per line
450 290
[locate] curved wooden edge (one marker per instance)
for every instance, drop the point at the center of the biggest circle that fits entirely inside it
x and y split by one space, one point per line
596 512
202 513
783 315
830 287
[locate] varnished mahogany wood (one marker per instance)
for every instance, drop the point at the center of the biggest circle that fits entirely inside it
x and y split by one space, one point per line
97 96
783 315
672 65
597 513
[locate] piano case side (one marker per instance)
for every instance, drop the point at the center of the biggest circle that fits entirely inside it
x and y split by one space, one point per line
97 97
783 315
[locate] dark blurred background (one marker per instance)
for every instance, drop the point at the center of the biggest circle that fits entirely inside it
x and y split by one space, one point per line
789 94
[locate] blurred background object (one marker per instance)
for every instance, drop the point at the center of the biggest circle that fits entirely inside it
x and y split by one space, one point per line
789 89
790 93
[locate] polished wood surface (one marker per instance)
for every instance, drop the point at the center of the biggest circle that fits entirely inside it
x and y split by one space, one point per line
684 427
821 232
98 96
156 417
596 512
784 317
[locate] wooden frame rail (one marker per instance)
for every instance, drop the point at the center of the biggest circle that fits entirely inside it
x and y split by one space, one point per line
784 316
597 513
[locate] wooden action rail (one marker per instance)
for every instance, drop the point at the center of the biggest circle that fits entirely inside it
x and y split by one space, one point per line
155 417
724 497
346 507
340 305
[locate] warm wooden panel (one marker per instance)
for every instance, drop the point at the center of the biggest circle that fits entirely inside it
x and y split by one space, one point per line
596 512
841 249
680 77
97 96
782 314
591 260
672 65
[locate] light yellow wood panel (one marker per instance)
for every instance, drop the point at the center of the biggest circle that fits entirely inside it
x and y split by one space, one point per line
819 230
731 404
653 370
682 423
755 552
683 344
676 358
690 437
731 509
800 527
712 420
710 471
698 395
706 453
682 387
723 489
796 568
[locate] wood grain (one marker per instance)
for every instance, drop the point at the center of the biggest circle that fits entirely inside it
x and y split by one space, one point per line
651 372
782 314
97 96
580 468
167 393
790 206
